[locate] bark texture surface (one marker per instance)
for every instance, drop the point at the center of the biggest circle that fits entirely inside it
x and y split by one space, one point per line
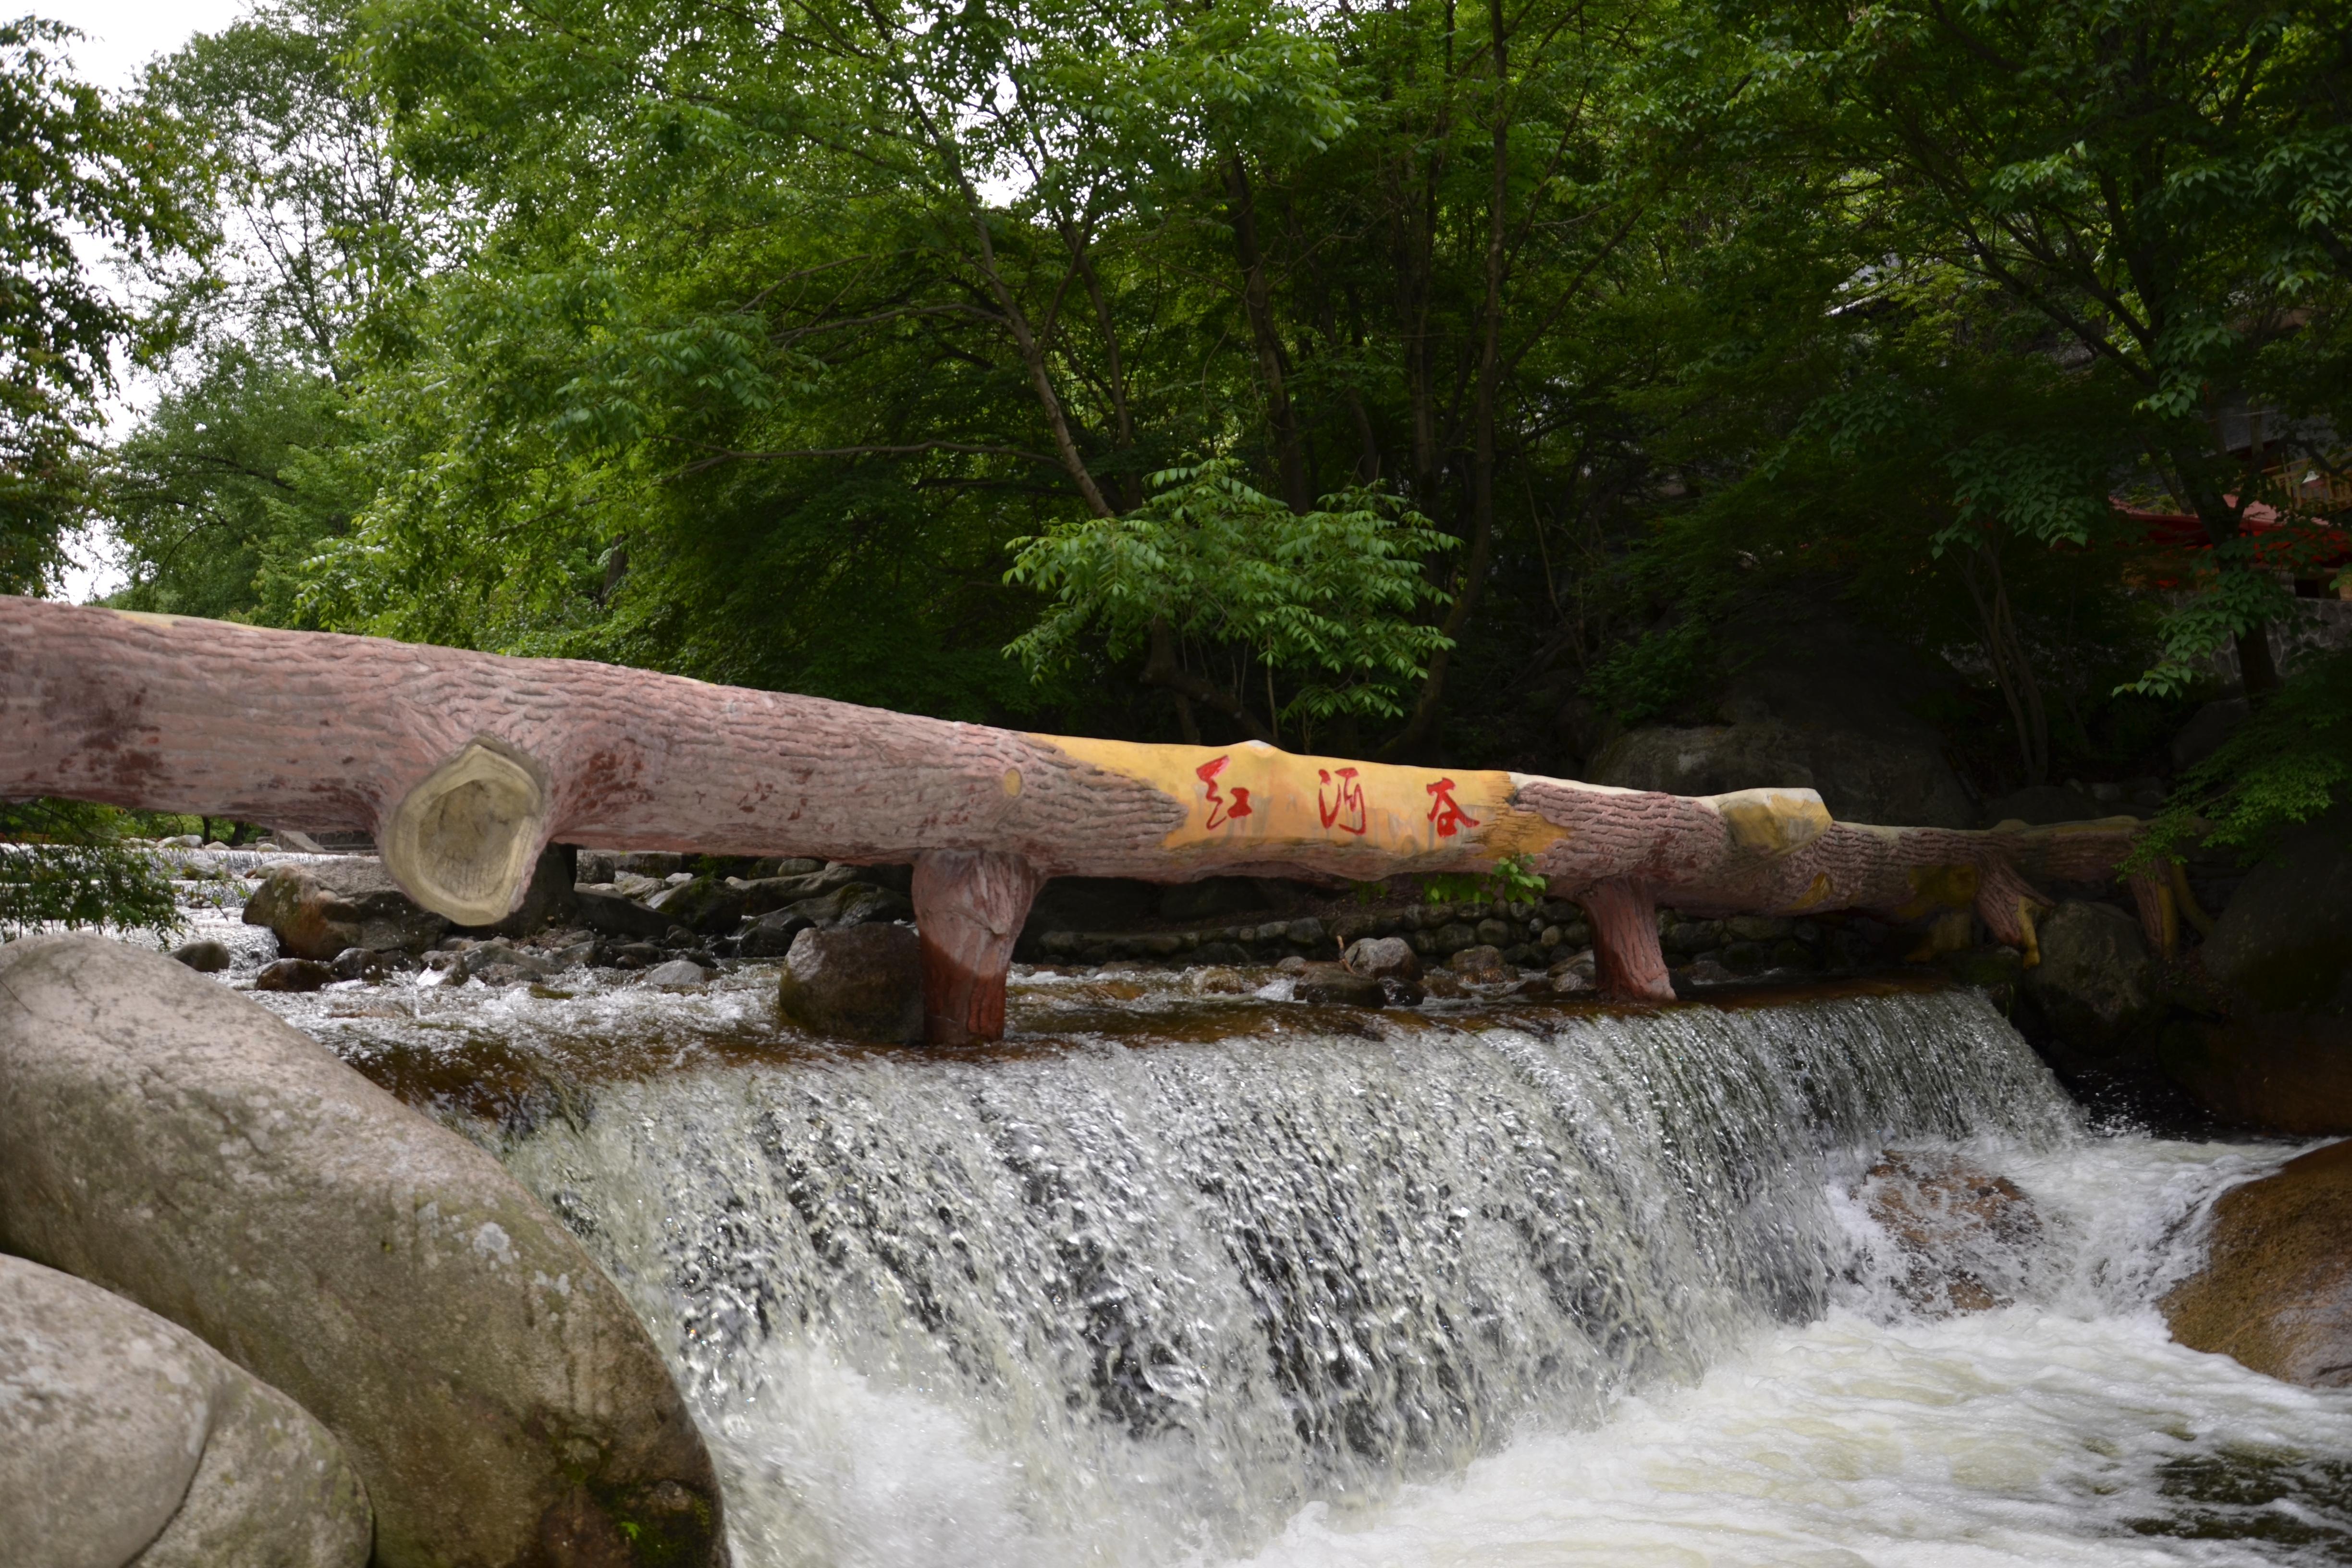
466 764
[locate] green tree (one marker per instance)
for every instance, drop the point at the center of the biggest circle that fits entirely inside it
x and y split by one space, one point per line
74 168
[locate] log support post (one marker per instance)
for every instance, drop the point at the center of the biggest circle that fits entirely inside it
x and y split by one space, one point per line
1624 916
969 908
2160 915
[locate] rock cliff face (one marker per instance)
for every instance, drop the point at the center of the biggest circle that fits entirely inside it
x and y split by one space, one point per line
2276 1292
2281 958
126 1439
172 1142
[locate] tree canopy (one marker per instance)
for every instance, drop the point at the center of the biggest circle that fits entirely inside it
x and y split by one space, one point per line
1416 381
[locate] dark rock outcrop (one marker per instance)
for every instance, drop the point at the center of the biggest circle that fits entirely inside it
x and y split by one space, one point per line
167 1139
2280 960
317 910
2276 1288
861 982
2096 984
125 1438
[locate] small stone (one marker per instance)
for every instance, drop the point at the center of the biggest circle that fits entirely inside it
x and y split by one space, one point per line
1444 985
1454 937
1576 972
1383 958
293 974
677 974
1496 933
359 964
1332 985
1217 982
1305 932
1480 965
1226 953
1294 964
205 956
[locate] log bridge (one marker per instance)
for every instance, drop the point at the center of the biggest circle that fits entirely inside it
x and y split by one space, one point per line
465 765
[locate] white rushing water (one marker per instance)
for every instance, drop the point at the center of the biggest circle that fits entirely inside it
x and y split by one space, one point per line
1157 1284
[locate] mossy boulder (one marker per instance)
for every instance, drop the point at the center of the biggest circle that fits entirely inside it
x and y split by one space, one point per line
179 1145
2276 1288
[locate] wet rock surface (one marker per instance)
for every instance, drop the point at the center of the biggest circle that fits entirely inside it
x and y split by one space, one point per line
2275 1293
318 909
1959 1230
862 983
2096 983
125 1438
512 1411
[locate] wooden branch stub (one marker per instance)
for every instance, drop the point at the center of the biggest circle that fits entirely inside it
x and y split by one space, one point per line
969 907
464 841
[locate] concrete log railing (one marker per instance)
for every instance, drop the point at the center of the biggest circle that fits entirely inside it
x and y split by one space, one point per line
464 766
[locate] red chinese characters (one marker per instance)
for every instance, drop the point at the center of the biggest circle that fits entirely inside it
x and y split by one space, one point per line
1445 811
1344 810
1221 810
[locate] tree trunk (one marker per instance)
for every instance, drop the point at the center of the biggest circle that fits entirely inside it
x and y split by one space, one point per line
465 765
1273 363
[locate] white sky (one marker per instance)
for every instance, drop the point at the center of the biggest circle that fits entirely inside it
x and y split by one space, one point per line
123 35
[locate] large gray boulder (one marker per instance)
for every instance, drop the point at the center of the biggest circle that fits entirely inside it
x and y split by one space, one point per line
2096 983
126 1439
167 1139
316 910
862 982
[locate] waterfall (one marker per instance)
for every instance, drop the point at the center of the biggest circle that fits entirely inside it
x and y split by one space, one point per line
1132 1300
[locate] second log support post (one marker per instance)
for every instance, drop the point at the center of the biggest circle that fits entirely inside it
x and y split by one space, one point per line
1624 916
969 908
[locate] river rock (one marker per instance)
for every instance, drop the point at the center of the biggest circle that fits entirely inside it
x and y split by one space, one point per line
1333 984
125 1438
205 956
1382 958
2276 1288
169 1140
1962 1232
317 910
677 974
610 914
705 905
294 974
2096 983
1481 966
863 983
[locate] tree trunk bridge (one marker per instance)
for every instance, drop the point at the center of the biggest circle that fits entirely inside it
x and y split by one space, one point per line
465 764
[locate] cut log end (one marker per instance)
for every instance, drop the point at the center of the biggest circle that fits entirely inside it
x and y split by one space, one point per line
463 842
969 907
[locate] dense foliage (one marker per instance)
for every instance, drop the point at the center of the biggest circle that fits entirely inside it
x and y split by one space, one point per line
1427 380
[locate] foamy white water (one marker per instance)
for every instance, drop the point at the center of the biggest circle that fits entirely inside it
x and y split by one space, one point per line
1305 1288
